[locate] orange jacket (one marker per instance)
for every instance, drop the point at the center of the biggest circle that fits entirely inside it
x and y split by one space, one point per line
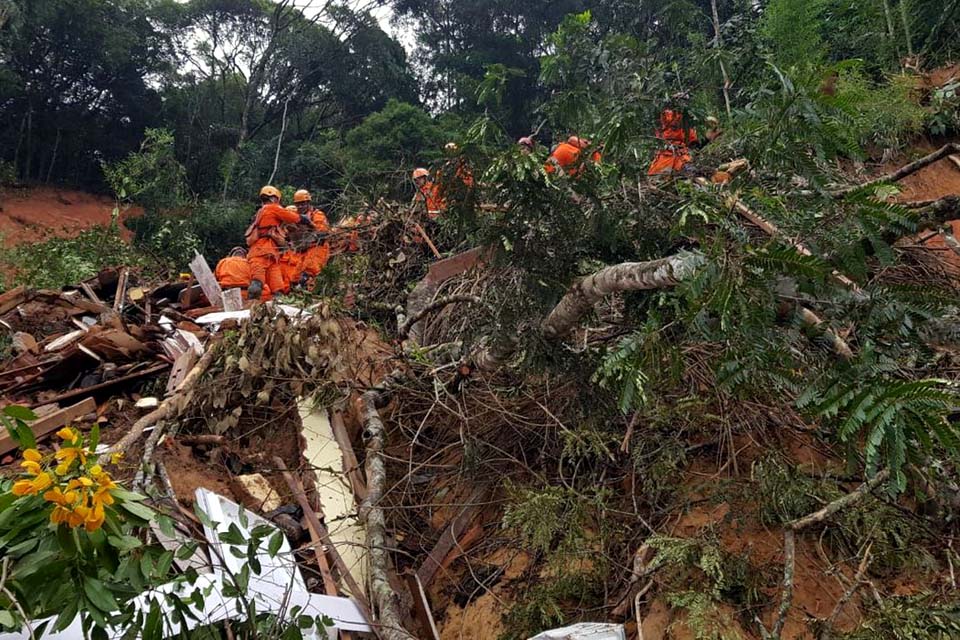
233 272
430 194
269 218
675 154
566 156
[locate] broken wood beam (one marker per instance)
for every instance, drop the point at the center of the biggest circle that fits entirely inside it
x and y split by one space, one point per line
421 605
448 539
120 295
351 466
93 389
12 299
232 300
87 289
43 426
208 282
314 522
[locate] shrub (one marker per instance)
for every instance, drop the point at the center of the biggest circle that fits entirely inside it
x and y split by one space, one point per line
150 177
55 263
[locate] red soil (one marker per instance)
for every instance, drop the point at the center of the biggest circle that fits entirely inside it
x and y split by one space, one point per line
40 213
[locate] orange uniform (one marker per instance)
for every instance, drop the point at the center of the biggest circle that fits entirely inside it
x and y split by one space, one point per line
566 156
430 194
235 272
315 257
675 154
264 254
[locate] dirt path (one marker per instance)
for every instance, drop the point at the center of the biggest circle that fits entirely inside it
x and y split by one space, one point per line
39 213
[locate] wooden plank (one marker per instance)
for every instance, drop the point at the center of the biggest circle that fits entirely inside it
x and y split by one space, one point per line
105 385
181 367
121 293
297 489
421 605
351 467
448 539
232 300
87 289
51 422
11 299
65 340
208 282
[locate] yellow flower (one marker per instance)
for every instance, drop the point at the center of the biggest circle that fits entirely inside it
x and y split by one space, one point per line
94 519
57 496
116 457
32 487
33 468
82 481
32 455
60 515
68 434
67 455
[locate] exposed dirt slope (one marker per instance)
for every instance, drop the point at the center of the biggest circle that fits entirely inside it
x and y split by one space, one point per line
40 213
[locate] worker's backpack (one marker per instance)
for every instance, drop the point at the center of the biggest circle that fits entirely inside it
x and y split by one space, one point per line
252 234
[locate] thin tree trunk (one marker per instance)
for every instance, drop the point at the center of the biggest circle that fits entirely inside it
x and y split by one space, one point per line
53 157
905 18
283 128
891 33
723 68
29 162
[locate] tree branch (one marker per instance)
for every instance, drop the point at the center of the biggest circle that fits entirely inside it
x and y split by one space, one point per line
846 501
902 172
408 324
628 276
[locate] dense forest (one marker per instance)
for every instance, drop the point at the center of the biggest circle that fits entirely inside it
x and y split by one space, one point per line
717 404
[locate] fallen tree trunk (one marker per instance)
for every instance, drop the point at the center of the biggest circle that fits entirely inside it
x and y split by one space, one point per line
628 276
382 594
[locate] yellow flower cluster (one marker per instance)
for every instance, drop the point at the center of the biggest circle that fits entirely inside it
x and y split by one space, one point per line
80 494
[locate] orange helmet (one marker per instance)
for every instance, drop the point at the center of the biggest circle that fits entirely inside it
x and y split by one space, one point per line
578 142
270 192
301 196
420 172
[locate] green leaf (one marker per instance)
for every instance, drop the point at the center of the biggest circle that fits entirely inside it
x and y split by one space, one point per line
166 525
243 578
163 564
94 439
18 412
276 541
127 496
202 515
71 607
139 510
124 543
186 550
99 595
31 564
233 535
153 627
26 437
6 620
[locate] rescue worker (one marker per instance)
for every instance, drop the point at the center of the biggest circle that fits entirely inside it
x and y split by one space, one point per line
675 153
316 255
350 242
265 238
291 259
428 193
526 145
566 156
234 272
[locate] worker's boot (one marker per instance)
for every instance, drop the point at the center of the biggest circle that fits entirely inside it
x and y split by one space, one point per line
255 290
